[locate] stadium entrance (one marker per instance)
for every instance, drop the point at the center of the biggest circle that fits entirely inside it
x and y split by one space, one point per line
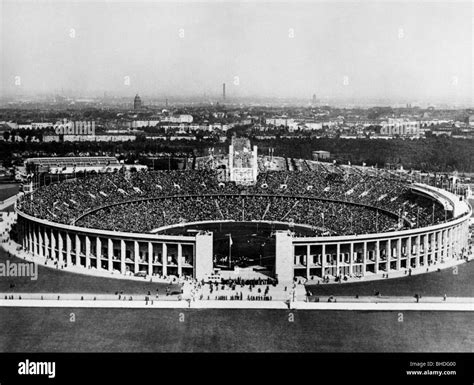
242 245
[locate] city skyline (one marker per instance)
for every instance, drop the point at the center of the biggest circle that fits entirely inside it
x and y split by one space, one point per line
353 52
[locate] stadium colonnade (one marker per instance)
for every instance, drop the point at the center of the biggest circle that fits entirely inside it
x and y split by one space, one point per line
371 253
192 255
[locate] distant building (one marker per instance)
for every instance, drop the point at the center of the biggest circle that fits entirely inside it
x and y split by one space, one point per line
33 126
442 131
321 155
88 138
243 166
471 120
279 121
184 118
313 125
137 103
144 123
28 174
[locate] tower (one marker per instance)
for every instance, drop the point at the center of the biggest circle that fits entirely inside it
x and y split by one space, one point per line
223 91
137 103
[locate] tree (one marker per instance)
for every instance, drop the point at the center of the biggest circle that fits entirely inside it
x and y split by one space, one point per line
23 135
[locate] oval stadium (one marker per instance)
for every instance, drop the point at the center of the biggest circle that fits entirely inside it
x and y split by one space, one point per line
247 214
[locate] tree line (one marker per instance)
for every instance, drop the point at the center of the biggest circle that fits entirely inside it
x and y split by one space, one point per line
440 154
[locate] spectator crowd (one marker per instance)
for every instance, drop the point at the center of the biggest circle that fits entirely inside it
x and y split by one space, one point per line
333 202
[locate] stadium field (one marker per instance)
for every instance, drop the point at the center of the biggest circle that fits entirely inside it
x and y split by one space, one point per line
253 243
160 330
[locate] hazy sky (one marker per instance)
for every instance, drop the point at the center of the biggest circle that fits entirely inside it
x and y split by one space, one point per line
385 50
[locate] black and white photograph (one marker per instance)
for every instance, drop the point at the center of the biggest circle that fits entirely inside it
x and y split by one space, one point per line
286 178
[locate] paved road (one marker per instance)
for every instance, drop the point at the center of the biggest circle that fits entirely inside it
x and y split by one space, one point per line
340 303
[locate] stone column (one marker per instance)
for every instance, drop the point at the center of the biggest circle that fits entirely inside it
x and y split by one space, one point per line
388 250
88 251
439 246
418 251
445 245
21 232
40 243
25 234
110 254
455 242
459 240
323 260
34 242
98 253
203 256
450 243
180 262
377 256
30 239
53 246
425 249
408 252
123 254
136 251
351 259
399 253
433 247
68 249
338 257
150 259
60 249
78 250
308 251
364 258
164 259
46 243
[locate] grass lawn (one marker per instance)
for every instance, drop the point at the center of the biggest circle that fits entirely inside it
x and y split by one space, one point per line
430 284
52 280
9 209
232 330
8 190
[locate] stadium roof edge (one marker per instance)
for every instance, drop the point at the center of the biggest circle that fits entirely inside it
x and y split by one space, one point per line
450 201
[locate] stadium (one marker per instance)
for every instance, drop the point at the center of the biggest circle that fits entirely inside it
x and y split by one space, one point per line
284 220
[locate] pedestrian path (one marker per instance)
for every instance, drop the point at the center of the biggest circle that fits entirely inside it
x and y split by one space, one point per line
141 301
142 304
7 202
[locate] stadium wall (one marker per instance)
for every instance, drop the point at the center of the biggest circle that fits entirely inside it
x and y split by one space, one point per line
125 253
180 255
382 253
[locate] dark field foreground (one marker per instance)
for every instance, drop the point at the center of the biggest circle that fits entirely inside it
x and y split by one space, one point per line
58 281
160 330
454 282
